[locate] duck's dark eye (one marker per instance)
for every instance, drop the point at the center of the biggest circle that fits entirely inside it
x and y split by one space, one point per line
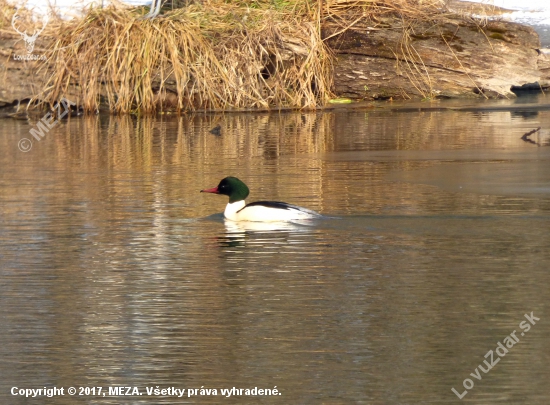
224 187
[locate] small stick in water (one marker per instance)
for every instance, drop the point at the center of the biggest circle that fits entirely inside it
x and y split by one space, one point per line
526 135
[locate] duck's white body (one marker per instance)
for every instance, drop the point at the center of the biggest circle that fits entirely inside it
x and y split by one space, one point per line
266 211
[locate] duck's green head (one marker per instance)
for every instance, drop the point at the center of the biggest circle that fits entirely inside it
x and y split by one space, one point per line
232 187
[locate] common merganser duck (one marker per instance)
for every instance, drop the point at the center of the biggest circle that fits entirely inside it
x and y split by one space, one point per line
259 211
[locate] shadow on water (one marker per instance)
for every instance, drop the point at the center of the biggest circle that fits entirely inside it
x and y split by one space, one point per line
115 270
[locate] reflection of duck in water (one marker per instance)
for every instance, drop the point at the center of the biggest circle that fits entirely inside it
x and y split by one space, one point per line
272 227
259 211
248 233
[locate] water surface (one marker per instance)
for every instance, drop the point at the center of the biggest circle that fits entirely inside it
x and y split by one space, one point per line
115 270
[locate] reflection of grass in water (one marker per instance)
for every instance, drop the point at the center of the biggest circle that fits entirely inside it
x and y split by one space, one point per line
129 143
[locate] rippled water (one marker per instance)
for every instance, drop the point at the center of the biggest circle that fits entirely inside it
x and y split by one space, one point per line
116 271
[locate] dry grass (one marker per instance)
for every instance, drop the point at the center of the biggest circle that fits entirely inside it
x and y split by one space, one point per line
216 54
205 56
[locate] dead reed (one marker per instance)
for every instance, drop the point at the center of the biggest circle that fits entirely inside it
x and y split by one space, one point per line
214 55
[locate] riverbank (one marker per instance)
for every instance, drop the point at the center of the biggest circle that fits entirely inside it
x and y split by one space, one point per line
215 56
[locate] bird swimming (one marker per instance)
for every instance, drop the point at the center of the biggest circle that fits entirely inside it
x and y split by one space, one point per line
259 211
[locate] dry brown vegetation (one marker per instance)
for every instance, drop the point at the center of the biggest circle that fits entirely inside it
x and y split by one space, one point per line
212 54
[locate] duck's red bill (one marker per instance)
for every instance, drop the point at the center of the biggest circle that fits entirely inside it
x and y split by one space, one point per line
210 190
